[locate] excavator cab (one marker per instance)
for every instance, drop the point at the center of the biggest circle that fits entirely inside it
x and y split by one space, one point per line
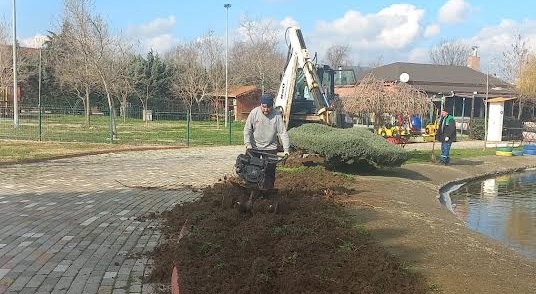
303 102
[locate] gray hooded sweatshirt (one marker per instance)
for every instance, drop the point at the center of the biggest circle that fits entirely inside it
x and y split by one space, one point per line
260 131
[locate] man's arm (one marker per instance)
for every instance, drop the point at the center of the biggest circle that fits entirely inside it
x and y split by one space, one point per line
248 131
283 135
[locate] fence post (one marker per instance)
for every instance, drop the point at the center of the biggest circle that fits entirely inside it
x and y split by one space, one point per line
463 116
230 123
188 127
39 116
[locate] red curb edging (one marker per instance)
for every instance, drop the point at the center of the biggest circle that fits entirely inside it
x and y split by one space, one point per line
175 272
175 281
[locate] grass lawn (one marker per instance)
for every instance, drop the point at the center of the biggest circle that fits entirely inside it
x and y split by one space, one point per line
426 155
71 128
24 151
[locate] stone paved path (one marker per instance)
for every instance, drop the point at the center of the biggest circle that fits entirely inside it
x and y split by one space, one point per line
70 225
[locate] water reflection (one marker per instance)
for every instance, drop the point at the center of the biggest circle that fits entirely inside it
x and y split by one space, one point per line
503 207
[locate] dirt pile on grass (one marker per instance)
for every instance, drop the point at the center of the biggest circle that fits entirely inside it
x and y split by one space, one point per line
310 246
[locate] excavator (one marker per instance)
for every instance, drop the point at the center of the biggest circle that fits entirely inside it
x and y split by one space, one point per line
306 93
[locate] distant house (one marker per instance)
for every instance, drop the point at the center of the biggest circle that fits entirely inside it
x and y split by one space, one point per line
241 100
462 88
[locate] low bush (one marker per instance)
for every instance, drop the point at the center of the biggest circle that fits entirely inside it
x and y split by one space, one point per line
353 146
476 127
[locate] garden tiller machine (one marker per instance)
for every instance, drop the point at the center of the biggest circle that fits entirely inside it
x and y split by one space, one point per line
251 169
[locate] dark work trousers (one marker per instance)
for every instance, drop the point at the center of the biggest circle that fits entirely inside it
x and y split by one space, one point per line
269 177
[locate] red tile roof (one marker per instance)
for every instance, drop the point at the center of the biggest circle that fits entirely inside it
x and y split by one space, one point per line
237 91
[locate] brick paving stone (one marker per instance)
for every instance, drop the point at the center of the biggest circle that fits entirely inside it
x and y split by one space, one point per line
66 223
28 291
120 284
3 272
48 284
19 283
105 289
63 284
36 281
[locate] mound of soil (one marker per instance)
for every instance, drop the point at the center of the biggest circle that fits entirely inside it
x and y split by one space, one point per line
309 245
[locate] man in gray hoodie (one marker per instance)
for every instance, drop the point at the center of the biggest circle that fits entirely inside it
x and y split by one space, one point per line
263 126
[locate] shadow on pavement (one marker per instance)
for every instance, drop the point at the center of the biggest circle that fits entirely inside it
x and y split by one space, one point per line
466 162
397 172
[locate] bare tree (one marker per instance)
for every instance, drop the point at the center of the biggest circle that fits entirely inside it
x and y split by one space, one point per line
71 65
24 58
375 96
377 62
338 55
257 59
124 84
92 39
4 34
514 59
449 52
5 61
190 79
512 65
211 49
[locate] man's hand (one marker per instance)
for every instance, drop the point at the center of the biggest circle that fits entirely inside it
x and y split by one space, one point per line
285 154
447 138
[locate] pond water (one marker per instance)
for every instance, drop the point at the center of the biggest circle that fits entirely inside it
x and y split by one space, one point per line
501 207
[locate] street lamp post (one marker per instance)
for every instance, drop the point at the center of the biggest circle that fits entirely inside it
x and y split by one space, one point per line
227 6
39 94
15 92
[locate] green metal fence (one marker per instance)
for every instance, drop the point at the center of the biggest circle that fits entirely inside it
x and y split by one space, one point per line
164 128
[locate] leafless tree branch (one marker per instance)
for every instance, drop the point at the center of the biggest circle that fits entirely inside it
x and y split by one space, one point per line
375 96
338 55
449 52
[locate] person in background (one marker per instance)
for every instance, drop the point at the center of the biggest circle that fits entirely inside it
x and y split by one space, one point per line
263 127
446 134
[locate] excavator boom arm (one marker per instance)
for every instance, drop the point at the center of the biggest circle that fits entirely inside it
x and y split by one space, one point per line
299 59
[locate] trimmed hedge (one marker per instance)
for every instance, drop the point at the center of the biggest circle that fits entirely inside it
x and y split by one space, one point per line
350 146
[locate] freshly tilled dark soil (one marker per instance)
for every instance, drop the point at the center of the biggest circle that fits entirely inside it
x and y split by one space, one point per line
309 245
